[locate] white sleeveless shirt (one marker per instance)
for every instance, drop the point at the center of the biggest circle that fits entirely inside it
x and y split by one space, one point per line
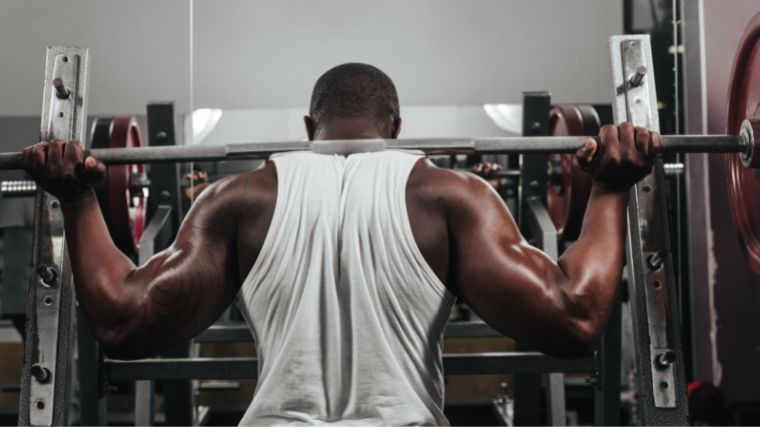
348 316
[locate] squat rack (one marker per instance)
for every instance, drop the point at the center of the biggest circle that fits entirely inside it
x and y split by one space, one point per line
46 392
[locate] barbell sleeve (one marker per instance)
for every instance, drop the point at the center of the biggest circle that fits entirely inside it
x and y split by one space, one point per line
487 145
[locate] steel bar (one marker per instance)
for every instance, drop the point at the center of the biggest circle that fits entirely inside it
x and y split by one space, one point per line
46 386
241 332
488 145
247 367
544 234
660 383
532 191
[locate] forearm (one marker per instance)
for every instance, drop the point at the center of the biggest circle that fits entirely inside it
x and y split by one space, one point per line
100 269
593 265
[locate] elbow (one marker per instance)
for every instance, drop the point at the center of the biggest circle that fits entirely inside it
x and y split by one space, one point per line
574 339
112 342
583 339
583 327
573 345
118 343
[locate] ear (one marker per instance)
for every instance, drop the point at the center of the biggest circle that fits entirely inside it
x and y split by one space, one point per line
311 127
394 127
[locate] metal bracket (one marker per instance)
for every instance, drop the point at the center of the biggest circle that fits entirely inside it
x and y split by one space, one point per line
660 379
164 178
45 385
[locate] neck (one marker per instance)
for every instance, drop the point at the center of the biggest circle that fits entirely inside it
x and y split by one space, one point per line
349 128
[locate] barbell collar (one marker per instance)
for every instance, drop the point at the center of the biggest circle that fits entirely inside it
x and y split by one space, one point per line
742 143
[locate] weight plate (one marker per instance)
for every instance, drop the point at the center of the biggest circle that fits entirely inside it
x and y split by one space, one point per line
122 205
743 184
569 186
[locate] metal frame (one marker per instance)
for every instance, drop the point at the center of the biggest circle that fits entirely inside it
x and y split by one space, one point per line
164 178
45 385
531 202
659 360
240 332
156 235
545 235
247 367
92 403
607 385
698 231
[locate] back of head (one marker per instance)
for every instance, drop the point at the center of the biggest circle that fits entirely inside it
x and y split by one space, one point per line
354 90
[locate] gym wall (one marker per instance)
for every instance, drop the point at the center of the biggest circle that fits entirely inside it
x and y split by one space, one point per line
725 293
267 54
140 52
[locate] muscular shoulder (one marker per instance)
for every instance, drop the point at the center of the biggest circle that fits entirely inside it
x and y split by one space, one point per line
239 196
248 189
451 189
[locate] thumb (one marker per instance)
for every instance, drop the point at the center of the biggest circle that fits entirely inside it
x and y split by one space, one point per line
587 151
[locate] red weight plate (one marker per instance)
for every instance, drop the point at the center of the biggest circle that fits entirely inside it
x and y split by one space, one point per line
569 186
122 206
743 101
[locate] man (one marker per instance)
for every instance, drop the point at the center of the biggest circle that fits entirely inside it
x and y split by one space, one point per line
346 267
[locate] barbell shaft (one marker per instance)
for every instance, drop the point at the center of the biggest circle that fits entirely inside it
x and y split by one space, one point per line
432 146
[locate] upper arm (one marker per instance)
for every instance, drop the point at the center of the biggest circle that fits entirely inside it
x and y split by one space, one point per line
512 285
186 287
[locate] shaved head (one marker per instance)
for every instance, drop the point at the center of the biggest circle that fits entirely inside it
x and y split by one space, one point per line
354 90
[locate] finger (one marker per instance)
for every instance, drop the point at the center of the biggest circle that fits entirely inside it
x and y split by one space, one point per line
656 147
26 158
610 144
94 169
72 152
608 140
608 133
587 151
642 136
609 137
38 159
54 160
626 134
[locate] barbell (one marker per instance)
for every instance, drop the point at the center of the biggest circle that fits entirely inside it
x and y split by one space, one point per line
742 143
